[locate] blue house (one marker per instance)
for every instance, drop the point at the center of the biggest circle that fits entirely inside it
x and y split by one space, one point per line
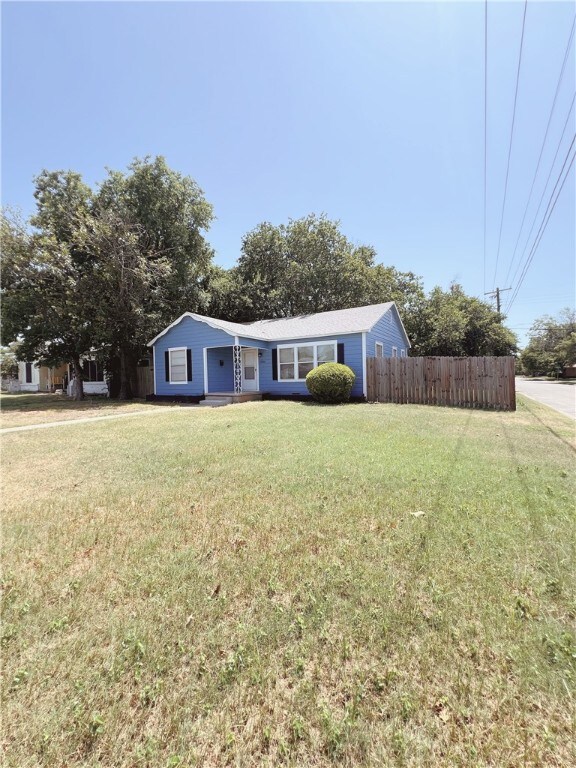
200 357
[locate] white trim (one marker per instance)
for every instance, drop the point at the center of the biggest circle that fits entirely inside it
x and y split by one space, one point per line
177 349
314 344
402 353
364 382
169 327
154 366
231 346
205 361
376 345
394 351
34 383
236 341
402 326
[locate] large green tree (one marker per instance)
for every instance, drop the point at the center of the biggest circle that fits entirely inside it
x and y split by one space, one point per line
122 314
171 216
156 218
455 324
102 270
308 265
46 285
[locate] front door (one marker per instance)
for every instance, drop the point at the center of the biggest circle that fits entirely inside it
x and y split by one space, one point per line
249 370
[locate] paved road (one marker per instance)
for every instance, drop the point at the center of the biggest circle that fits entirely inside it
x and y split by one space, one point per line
560 395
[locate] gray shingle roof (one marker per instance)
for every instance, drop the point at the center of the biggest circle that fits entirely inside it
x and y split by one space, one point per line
339 321
353 320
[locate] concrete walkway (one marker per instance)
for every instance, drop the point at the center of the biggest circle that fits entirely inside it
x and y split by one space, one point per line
559 395
70 422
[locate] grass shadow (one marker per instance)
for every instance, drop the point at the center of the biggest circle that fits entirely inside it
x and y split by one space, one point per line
26 409
552 431
43 401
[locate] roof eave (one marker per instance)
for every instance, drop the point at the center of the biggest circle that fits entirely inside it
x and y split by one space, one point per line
206 320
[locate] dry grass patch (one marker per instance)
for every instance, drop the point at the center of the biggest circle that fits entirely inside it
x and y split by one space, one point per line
251 586
24 410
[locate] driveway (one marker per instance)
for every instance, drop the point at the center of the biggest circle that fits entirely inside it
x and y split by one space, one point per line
560 395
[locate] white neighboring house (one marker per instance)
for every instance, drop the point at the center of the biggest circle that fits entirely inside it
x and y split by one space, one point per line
94 383
40 378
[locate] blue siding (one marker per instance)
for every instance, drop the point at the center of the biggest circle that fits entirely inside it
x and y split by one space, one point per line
245 342
352 358
388 331
220 377
194 335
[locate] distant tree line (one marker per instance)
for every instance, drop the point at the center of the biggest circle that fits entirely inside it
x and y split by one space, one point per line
98 272
551 345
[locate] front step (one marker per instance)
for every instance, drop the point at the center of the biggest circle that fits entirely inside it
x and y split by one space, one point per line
215 402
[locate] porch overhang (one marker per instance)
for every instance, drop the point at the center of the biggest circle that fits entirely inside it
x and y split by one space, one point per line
234 381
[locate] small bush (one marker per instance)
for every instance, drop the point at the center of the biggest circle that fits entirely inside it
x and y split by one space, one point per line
330 383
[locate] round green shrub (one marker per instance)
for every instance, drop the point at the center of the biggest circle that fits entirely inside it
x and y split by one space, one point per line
330 383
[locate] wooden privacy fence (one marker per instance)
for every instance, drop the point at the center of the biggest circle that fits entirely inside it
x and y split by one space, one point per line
465 382
144 384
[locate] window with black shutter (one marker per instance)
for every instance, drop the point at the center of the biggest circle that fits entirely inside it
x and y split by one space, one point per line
178 363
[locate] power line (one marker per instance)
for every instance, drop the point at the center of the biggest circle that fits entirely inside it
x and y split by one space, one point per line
562 70
485 124
548 211
511 138
547 215
543 192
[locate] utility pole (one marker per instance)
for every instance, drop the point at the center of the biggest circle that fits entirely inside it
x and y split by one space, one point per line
497 293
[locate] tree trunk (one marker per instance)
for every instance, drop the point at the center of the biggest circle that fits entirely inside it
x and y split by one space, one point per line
77 381
125 386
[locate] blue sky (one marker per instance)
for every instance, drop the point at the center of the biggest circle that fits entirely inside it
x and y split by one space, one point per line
372 113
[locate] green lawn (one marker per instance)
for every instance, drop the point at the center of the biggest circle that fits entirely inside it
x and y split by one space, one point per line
288 584
24 409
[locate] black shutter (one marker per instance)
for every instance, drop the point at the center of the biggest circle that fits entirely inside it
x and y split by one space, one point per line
167 364
28 373
341 353
275 364
189 363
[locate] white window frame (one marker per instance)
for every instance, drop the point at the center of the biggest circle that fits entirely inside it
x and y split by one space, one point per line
394 351
178 349
99 368
402 353
381 345
311 343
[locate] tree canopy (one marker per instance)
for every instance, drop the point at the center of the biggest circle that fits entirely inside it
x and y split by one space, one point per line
455 324
308 265
101 270
551 345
